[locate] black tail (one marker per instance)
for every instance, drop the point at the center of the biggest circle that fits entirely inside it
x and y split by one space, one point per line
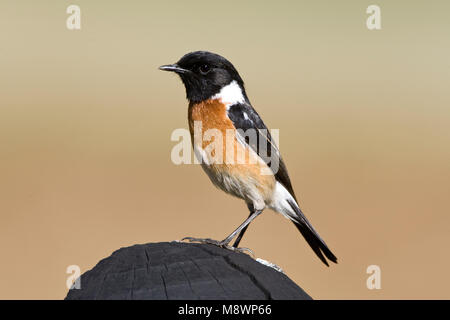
311 236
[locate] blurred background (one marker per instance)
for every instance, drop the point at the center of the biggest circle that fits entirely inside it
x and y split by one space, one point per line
364 119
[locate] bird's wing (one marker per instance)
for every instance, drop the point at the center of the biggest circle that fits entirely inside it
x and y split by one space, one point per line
246 119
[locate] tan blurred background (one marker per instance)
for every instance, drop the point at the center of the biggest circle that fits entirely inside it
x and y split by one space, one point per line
364 119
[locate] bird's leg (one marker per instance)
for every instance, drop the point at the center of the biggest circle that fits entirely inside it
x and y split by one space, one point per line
252 216
225 242
241 234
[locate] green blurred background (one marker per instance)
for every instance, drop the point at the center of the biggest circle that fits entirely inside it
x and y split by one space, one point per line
364 119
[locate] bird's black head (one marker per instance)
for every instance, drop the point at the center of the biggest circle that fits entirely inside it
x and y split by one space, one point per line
204 74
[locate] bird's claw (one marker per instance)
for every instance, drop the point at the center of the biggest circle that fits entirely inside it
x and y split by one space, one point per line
242 250
202 240
221 244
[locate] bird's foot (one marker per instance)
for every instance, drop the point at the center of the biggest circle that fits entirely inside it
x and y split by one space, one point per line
223 244
242 250
203 240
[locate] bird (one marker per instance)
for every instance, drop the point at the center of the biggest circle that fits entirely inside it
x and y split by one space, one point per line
217 101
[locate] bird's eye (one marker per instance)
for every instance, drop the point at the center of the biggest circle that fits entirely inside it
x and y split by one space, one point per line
204 69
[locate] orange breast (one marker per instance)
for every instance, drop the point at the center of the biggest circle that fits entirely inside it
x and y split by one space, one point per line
238 161
212 114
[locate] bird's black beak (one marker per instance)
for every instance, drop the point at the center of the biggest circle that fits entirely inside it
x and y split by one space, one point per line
173 67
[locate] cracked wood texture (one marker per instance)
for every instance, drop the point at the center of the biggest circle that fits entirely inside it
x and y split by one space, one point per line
173 270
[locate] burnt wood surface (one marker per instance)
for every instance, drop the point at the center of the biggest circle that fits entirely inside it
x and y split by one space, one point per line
173 270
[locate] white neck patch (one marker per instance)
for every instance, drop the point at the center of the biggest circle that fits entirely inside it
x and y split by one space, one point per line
230 94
